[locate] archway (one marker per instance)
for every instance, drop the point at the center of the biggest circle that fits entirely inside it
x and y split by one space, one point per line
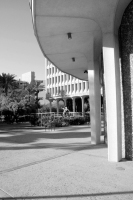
126 54
69 104
87 104
78 104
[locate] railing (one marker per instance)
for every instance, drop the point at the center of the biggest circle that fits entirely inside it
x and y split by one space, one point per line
60 114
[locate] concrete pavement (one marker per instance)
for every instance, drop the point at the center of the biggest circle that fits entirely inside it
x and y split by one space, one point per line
60 164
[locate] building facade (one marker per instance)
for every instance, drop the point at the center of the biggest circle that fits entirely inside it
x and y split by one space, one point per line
28 77
78 38
60 85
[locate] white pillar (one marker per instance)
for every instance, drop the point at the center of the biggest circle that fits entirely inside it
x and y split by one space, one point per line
113 96
95 103
57 106
82 98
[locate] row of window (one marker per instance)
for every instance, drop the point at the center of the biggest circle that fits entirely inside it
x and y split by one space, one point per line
54 69
60 79
52 79
57 90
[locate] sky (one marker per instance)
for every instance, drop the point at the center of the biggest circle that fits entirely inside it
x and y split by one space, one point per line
19 50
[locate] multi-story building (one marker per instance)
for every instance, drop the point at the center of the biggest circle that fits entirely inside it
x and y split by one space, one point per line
92 36
60 85
28 77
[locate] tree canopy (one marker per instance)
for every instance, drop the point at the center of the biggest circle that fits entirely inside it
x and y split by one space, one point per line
16 98
8 83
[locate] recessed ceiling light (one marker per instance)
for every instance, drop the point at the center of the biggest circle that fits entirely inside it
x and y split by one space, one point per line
69 35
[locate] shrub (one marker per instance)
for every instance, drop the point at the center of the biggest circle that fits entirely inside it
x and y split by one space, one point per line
77 120
34 120
87 117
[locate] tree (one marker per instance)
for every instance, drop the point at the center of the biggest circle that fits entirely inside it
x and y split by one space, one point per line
8 83
38 87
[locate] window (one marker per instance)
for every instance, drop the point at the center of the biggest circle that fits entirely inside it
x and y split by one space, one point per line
76 87
53 70
68 77
66 88
50 90
79 86
83 85
56 79
65 77
47 72
53 80
72 87
62 88
48 81
53 90
56 90
61 78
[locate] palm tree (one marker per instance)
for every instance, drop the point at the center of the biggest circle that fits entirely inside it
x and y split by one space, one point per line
8 82
33 90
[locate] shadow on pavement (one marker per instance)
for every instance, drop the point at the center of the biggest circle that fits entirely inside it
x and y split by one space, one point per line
16 127
72 146
29 137
71 196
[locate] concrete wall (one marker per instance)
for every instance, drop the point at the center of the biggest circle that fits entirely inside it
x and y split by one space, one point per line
126 49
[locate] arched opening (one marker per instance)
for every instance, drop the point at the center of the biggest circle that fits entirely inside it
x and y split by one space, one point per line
69 104
126 54
78 104
86 104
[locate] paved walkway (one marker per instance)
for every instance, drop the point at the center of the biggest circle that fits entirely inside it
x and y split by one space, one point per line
60 164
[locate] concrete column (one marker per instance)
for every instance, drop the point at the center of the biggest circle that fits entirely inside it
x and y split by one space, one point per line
70 85
95 104
50 106
78 86
86 86
65 102
82 98
81 86
74 82
57 106
73 99
113 96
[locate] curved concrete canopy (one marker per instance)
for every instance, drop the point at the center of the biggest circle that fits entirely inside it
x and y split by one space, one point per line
87 20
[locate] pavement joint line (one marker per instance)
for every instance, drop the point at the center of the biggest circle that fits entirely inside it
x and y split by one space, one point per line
93 155
37 162
79 149
34 163
9 195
